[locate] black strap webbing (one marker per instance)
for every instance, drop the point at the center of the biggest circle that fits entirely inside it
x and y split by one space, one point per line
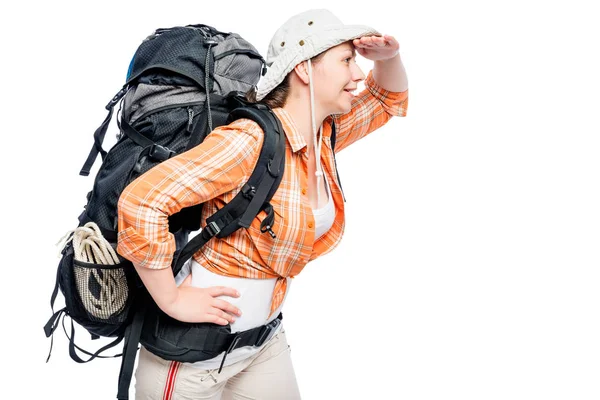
334 160
268 123
52 323
332 138
97 147
192 247
253 337
134 135
73 346
100 133
132 339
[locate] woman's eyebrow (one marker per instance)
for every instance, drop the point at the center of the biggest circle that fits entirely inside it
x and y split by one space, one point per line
351 51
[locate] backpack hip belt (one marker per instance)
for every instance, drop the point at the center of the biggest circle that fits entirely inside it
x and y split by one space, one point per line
167 338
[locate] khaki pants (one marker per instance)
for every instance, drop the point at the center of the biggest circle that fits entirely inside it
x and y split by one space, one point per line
267 375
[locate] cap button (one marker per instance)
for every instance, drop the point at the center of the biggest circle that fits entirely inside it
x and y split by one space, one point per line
301 43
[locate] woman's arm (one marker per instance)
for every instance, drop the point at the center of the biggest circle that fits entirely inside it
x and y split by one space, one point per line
187 303
388 70
385 94
390 74
221 163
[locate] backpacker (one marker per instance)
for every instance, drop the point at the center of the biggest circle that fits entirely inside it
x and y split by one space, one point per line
182 82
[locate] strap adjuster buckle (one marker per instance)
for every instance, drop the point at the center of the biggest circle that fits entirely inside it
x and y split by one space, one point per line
116 98
160 153
212 228
266 332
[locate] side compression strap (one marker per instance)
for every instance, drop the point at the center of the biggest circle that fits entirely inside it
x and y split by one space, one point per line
132 338
100 133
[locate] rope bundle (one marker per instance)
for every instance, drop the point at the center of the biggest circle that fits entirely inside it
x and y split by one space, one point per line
103 291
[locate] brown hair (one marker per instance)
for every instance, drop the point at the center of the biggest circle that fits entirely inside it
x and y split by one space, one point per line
278 96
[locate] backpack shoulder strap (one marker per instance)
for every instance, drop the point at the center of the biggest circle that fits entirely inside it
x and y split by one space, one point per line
333 135
256 193
334 160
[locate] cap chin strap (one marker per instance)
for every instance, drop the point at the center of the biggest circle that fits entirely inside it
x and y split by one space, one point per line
316 137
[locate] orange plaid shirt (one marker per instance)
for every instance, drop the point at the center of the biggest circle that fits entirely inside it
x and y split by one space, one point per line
215 171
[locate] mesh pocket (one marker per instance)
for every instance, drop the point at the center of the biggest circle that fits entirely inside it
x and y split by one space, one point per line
103 290
99 285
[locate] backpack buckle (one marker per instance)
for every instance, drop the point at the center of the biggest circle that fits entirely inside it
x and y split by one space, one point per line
212 228
248 191
267 331
116 98
160 153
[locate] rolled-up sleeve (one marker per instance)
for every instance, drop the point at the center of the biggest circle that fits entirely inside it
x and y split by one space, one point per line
218 165
371 109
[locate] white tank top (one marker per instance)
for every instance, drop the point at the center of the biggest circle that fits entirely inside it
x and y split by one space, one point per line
325 215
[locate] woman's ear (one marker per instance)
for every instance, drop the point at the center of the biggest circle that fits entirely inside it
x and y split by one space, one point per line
301 71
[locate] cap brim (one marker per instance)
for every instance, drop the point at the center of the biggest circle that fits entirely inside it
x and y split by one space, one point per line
326 39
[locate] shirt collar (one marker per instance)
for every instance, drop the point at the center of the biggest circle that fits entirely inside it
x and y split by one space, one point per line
296 140
291 131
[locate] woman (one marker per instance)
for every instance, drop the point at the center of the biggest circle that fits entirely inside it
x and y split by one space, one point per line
243 279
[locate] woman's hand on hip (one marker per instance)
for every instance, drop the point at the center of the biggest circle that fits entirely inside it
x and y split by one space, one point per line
195 304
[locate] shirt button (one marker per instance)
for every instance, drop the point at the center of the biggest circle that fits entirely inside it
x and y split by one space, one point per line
303 190
310 225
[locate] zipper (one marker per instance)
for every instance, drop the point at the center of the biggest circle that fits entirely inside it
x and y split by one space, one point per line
190 119
240 51
164 108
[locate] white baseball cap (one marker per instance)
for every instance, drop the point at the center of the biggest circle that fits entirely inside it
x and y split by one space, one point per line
301 38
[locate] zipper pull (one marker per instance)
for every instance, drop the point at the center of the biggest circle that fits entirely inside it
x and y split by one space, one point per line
265 225
268 229
190 120
138 165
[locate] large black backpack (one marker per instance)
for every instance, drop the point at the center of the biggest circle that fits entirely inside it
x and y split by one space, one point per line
182 82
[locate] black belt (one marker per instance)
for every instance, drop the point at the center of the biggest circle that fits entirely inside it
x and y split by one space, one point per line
184 342
252 337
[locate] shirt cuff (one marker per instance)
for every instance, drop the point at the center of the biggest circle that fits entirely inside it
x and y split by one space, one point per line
394 103
143 253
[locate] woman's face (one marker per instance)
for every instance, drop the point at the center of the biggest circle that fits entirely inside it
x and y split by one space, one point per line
336 76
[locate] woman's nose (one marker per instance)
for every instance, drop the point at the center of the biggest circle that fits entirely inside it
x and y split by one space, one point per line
357 74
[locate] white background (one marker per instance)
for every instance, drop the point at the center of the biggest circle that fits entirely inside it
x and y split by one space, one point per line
470 266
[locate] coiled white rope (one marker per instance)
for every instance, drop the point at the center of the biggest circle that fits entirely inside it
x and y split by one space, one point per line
103 291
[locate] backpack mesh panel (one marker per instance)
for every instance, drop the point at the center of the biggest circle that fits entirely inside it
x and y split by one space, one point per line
103 291
97 298
237 65
171 50
112 178
223 81
126 160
